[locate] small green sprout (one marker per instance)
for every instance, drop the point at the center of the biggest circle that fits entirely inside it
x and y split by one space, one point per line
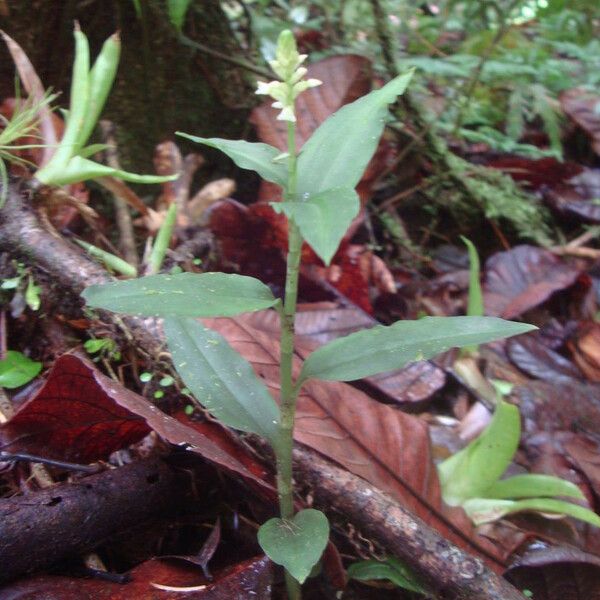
103 347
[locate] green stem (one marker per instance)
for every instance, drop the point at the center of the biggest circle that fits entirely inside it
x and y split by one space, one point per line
288 391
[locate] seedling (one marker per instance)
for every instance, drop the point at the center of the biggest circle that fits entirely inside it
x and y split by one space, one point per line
27 292
471 478
103 348
16 370
22 124
319 203
89 90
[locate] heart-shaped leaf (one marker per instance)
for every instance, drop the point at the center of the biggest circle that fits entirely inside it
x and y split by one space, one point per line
183 295
297 545
383 349
257 157
221 379
323 219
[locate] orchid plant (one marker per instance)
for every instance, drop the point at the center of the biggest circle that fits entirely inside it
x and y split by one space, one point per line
319 202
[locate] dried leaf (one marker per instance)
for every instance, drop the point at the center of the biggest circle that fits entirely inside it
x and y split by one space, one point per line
522 278
153 580
581 106
81 415
559 573
531 355
585 347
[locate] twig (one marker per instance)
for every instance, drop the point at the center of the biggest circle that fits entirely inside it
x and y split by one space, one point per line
224 57
122 214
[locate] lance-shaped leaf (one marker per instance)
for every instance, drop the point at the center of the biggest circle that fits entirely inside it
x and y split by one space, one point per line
339 150
220 379
101 78
532 485
82 169
257 157
323 219
183 295
382 348
484 510
80 94
470 472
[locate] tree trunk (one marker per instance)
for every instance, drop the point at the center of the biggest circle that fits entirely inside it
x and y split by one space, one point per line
162 86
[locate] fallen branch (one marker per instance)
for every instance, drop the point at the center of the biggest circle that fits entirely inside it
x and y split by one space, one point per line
448 570
70 519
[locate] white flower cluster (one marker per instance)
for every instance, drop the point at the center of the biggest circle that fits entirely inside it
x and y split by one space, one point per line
287 66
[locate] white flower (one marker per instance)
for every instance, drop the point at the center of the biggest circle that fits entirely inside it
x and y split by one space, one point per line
287 66
287 114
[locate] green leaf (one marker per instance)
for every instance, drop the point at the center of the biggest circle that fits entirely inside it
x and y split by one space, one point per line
475 304
298 544
247 155
11 283
161 243
484 510
183 295
323 219
533 485
382 348
96 345
390 569
176 10
101 78
82 169
220 379
74 122
32 294
93 149
17 369
472 471
338 152
111 261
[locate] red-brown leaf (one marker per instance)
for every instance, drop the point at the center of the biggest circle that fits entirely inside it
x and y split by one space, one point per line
237 581
345 79
582 107
522 278
81 415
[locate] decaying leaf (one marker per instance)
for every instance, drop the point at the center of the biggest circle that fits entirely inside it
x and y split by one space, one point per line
522 278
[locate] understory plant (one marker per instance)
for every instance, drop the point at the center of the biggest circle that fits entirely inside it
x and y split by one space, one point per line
471 478
90 87
319 202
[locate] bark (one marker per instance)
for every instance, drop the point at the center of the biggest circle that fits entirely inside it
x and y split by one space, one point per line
449 571
68 520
